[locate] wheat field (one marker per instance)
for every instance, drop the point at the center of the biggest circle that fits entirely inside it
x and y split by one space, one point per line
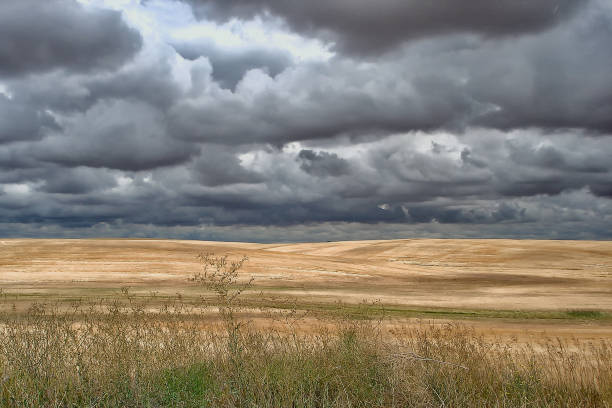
501 284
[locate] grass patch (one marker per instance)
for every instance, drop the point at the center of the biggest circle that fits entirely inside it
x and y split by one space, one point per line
192 386
587 314
369 310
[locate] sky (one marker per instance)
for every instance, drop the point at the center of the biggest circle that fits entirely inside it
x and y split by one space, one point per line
292 120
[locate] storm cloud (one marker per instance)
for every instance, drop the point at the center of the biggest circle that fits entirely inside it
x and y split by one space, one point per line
365 27
38 36
22 122
289 120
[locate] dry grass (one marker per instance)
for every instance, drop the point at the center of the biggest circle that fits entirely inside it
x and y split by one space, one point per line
119 355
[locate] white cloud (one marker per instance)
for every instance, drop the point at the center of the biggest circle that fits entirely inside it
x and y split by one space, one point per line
17 189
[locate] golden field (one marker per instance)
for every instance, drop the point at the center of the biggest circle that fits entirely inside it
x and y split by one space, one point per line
512 286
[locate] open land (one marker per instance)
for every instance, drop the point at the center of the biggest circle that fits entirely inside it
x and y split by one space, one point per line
403 323
515 287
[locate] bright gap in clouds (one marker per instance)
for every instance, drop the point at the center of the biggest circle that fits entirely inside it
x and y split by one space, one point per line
174 22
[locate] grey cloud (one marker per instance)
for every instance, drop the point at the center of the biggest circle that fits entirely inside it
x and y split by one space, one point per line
466 157
548 227
19 122
39 36
550 80
17 164
602 189
230 65
118 135
55 91
551 157
216 167
339 99
557 80
416 187
366 27
548 166
77 181
323 164
149 82
536 185
417 193
457 214
425 175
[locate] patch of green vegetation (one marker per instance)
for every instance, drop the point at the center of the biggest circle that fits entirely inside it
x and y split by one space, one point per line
587 314
368 310
267 300
192 386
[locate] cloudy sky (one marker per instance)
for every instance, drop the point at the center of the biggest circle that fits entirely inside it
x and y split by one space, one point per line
292 120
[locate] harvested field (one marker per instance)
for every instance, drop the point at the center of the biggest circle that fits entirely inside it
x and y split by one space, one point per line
507 286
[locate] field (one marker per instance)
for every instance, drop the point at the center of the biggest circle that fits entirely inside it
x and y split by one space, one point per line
546 284
440 323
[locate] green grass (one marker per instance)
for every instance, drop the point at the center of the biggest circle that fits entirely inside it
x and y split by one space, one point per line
265 297
375 310
323 309
587 314
192 386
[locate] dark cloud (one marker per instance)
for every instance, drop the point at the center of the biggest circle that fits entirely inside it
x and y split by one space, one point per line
551 157
453 214
551 80
557 80
322 164
54 91
117 135
339 100
19 122
466 157
77 181
366 27
39 36
496 128
217 167
151 84
602 189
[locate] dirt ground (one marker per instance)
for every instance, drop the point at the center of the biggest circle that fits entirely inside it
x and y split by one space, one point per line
475 275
